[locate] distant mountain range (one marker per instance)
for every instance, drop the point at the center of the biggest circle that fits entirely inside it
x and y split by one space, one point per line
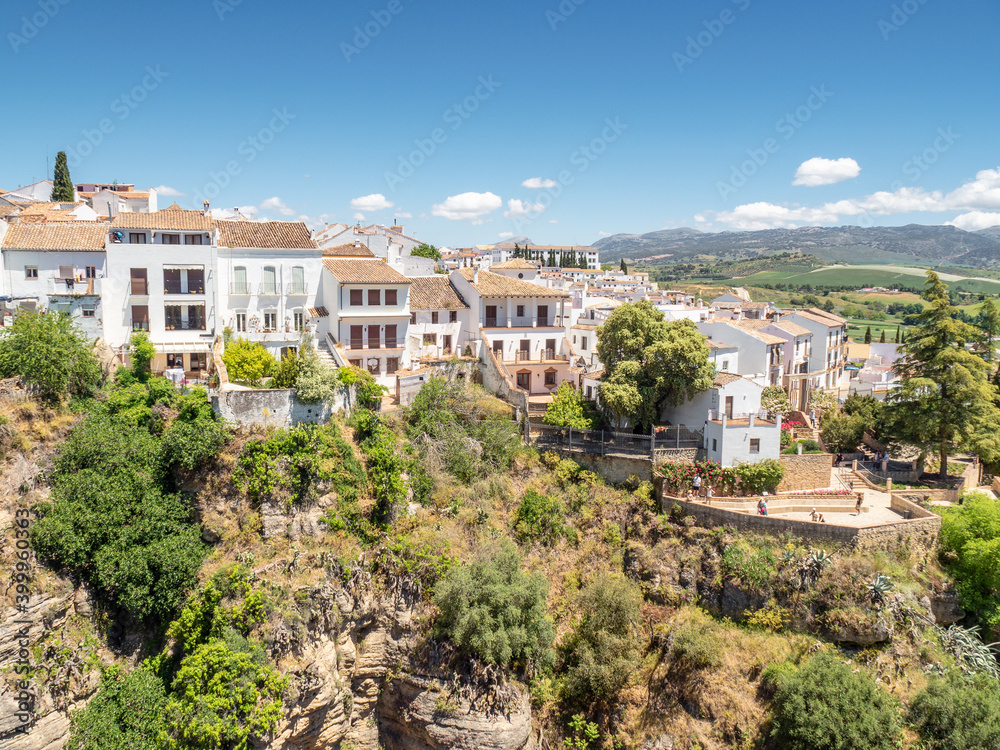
914 243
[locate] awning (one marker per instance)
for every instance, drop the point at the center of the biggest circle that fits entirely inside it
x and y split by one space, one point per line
187 348
183 267
318 312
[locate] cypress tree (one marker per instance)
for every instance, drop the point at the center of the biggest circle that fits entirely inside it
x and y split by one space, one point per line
624 267
868 335
62 186
897 335
882 339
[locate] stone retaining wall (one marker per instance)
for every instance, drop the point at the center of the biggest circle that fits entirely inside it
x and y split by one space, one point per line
277 407
806 472
919 534
614 469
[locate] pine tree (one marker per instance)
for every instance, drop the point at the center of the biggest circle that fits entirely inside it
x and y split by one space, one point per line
868 335
989 323
517 250
882 337
624 267
62 185
945 400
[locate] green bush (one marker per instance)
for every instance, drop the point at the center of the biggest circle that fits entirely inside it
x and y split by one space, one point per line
539 518
569 409
286 372
970 547
842 433
223 699
141 352
748 565
763 476
827 705
958 713
247 361
470 431
603 650
385 466
126 712
48 351
493 611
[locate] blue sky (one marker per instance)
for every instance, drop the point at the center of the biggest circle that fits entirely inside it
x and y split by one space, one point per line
563 121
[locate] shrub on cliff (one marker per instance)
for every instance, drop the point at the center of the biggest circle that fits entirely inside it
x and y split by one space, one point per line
493 611
956 713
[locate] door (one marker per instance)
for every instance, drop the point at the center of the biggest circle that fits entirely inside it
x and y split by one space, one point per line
140 317
491 316
543 315
550 348
446 343
390 337
138 281
524 350
729 407
498 349
524 380
373 337
357 337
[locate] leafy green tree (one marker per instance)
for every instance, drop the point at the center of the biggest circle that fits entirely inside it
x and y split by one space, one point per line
62 185
945 401
539 518
823 400
248 361
650 363
126 712
314 382
47 350
141 353
223 699
989 323
958 713
569 409
868 409
827 705
868 335
603 650
492 610
423 250
774 399
842 433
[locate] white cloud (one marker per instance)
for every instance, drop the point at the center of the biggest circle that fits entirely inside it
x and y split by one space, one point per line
820 171
276 204
373 202
168 191
505 235
359 216
975 220
604 234
403 215
976 196
247 212
538 183
516 207
467 206
553 221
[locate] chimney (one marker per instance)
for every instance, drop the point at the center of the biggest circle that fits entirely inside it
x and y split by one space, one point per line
357 243
207 212
475 276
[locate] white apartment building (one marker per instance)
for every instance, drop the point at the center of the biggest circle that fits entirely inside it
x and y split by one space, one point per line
268 281
439 319
169 290
503 253
365 315
829 341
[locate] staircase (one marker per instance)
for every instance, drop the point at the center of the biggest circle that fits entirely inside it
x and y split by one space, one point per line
325 355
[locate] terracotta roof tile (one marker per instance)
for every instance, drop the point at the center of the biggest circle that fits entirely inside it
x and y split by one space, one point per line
363 271
819 316
434 293
79 235
166 219
348 250
319 312
284 235
725 378
496 285
517 264
793 328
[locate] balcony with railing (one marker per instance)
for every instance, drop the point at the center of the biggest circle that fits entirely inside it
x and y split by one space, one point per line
239 289
68 286
522 356
714 415
140 325
268 289
297 289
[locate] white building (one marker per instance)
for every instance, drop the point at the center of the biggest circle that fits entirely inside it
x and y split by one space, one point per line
503 253
439 319
829 340
169 290
365 315
268 281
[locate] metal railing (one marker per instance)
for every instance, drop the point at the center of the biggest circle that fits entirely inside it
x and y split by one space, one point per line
608 442
268 290
239 288
716 416
297 290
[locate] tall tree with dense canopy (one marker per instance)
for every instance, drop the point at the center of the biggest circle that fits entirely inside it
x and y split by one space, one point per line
569 409
62 185
946 400
989 323
624 267
649 363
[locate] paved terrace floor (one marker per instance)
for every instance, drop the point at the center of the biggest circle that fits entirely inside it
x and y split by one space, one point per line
876 503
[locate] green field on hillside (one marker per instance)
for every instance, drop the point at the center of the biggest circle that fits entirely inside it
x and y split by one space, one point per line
864 277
